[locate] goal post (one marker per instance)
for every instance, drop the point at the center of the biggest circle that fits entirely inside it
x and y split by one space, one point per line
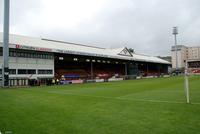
186 83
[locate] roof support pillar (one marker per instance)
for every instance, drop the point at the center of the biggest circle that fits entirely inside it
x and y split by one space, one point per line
125 69
159 68
91 69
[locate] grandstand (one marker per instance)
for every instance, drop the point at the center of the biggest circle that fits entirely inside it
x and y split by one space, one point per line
43 59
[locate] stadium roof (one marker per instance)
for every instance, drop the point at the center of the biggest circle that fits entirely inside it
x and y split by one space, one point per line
48 45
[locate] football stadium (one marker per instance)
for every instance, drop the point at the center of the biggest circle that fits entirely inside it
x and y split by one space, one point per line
56 87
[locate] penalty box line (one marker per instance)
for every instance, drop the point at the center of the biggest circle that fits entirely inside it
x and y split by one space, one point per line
120 98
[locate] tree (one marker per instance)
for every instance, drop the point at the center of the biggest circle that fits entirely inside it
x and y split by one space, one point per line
131 50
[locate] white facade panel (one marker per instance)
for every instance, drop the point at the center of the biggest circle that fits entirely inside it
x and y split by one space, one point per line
30 63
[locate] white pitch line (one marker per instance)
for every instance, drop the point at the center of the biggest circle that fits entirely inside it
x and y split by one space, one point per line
195 103
125 99
80 95
158 101
153 91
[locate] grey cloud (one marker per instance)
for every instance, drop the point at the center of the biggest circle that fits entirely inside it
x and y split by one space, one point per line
144 25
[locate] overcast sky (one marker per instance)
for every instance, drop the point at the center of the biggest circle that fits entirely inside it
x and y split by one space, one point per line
144 25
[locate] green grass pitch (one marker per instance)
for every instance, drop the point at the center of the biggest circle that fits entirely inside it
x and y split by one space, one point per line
148 106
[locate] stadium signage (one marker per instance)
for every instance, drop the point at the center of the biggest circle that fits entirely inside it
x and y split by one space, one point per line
33 48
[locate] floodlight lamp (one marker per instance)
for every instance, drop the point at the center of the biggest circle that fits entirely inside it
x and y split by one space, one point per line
175 30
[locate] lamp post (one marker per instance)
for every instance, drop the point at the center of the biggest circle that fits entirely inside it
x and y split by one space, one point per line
175 32
5 67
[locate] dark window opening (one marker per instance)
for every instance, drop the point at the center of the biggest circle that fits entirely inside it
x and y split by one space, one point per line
45 71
